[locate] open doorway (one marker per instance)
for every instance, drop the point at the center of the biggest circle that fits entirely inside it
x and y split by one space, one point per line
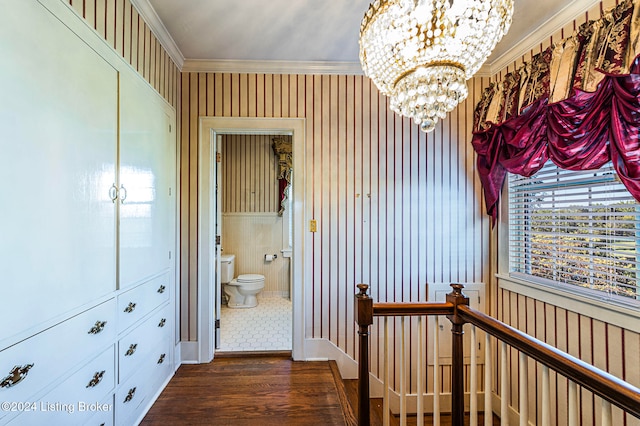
209 223
253 183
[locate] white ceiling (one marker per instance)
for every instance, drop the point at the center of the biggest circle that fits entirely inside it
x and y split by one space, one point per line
312 30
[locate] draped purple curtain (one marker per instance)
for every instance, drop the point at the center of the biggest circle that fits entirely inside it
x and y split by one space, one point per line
576 104
582 132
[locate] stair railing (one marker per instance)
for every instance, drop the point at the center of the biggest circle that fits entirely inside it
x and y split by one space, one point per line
609 388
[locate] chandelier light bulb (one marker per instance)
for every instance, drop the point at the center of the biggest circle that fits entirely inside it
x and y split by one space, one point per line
420 53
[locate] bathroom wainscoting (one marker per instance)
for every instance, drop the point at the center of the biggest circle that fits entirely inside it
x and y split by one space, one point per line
267 327
250 236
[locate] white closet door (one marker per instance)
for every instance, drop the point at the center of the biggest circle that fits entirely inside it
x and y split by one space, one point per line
146 174
58 123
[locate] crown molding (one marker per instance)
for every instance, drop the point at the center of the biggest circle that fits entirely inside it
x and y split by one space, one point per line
152 19
484 71
542 33
272 67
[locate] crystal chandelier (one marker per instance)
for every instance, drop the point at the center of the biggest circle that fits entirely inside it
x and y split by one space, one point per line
420 53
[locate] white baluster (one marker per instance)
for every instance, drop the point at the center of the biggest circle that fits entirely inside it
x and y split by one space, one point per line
606 412
473 403
573 404
385 376
403 368
504 386
524 390
488 362
419 373
546 399
436 374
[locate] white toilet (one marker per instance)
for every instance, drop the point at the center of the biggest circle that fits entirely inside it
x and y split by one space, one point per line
242 291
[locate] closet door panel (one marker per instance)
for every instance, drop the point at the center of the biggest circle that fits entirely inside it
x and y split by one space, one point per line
58 119
146 170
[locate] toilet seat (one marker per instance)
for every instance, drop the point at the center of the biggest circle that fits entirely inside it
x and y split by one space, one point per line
250 278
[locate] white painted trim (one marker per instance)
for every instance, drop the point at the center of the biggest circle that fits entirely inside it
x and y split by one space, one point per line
189 353
148 13
274 294
177 356
514 416
272 67
542 33
317 349
152 401
625 318
208 129
411 401
323 349
484 71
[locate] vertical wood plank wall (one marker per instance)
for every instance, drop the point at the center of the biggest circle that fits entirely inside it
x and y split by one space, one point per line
396 208
250 236
249 174
608 347
119 23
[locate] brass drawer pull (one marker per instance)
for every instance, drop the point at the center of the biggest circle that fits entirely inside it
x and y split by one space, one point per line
162 322
129 396
97 378
97 328
131 350
161 289
18 374
161 359
130 307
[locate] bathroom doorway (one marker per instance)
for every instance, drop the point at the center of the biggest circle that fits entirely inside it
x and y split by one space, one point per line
210 224
254 181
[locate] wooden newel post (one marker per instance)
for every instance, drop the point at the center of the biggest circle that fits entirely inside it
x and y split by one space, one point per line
457 356
364 318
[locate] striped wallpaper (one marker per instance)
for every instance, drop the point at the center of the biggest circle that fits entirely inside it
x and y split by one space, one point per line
249 174
119 23
609 347
396 208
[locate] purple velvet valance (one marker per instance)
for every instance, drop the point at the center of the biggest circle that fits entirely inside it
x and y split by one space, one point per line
582 131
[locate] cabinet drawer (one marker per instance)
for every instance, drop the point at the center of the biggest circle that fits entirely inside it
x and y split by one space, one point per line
103 418
132 397
162 361
35 363
134 304
78 397
139 343
137 393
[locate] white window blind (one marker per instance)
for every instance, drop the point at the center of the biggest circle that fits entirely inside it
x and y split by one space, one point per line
575 228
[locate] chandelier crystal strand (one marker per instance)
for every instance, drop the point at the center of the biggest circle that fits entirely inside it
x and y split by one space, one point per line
420 53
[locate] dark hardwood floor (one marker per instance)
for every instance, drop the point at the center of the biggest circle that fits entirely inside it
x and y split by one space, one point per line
264 390
249 391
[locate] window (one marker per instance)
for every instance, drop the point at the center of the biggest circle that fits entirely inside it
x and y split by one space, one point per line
576 228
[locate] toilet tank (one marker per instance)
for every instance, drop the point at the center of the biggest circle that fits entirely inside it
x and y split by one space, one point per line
227 264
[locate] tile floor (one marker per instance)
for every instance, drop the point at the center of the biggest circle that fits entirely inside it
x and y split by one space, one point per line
267 327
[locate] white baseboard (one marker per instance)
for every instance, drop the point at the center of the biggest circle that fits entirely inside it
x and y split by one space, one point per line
177 356
273 294
514 416
411 402
153 400
322 349
189 353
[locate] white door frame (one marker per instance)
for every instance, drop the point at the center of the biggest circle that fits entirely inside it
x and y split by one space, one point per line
209 128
